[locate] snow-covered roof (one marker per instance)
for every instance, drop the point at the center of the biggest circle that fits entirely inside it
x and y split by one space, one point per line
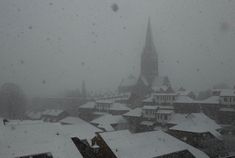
148 144
52 112
88 105
177 118
227 93
197 123
137 112
22 139
184 99
77 127
106 121
34 115
149 99
211 100
119 107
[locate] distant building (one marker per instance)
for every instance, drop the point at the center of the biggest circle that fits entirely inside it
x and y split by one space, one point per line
149 79
53 115
92 110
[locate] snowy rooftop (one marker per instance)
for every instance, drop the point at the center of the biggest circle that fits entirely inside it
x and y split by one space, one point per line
227 92
149 99
119 106
106 121
77 127
147 145
21 139
137 112
52 112
210 100
184 99
88 105
196 123
34 115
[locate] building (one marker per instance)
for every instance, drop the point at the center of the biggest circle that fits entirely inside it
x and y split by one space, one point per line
157 144
149 79
92 110
199 131
53 115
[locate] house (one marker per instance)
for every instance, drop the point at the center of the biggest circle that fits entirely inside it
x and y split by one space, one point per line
210 106
227 97
103 105
226 115
199 131
164 98
158 113
134 117
53 115
185 104
86 111
92 110
31 115
157 144
118 109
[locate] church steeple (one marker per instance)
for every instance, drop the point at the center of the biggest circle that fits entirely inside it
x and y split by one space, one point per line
149 58
149 39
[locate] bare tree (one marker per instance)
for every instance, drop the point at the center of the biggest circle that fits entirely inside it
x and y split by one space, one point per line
12 101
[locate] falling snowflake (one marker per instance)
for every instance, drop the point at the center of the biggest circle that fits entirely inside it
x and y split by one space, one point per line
114 7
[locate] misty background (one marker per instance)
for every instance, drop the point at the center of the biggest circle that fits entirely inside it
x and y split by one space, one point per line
48 47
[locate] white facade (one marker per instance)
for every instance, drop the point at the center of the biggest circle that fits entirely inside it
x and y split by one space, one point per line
161 114
103 106
164 98
227 98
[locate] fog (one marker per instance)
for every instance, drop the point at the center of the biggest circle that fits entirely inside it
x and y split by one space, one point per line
48 47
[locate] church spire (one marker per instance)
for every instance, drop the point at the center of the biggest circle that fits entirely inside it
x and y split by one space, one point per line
149 58
149 39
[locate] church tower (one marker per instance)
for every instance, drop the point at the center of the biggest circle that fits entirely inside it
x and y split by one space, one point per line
149 59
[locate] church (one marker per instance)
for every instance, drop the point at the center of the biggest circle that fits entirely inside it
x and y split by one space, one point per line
149 79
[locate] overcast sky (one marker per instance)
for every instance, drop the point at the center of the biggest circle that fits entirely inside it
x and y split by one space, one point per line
49 46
